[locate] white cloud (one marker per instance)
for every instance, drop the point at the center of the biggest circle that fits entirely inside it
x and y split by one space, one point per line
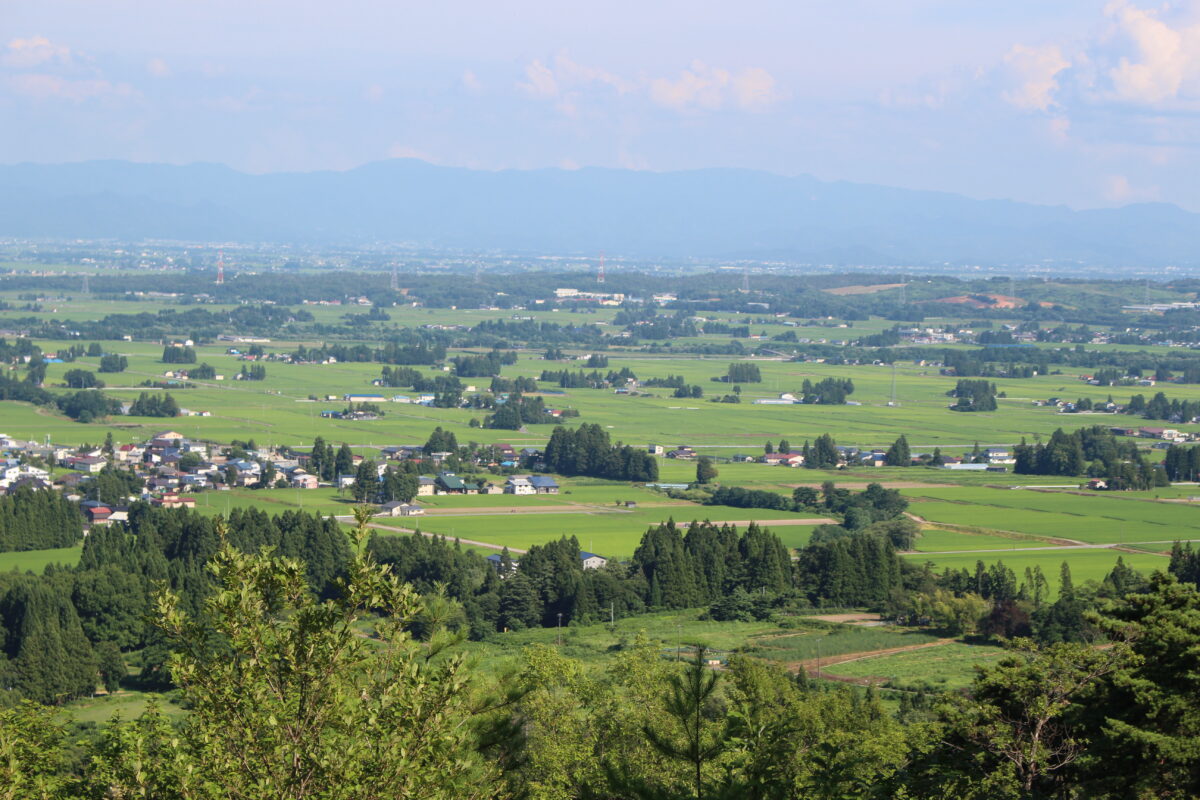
1118 189
1035 72
1165 62
712 88
404 151
34 52
565 81
40 86
158 68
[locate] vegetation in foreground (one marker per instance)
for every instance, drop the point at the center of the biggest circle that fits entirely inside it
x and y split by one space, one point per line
288 700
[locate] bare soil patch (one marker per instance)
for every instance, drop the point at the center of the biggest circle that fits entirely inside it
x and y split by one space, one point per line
864 289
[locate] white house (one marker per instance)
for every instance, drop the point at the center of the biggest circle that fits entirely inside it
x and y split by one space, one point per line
591 560
518 484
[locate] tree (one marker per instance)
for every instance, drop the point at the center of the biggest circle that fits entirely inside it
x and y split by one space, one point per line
1018 722
705 471
82 379
288 700
344 463
1147 717
805 497
366 481
784 446
898 455
823 454
687 734
111 665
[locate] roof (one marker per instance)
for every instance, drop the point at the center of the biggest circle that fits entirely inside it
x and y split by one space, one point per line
541 481
451 481
585 555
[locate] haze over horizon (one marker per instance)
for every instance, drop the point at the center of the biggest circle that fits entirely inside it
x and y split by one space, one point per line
1087 104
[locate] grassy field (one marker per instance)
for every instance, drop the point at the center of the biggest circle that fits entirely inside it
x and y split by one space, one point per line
934 540
277 410
36 561
948 666
609 533
1096 518
1085 564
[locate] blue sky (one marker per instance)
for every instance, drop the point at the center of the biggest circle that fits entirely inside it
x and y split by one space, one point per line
1082 103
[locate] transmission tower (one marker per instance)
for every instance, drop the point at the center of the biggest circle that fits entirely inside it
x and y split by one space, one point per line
746 280
893 402
395 279
220 267
600 273
86 289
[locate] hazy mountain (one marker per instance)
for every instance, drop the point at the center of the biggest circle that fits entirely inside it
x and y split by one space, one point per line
717 213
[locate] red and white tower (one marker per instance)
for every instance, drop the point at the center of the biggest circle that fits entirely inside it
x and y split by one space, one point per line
220 267
600 273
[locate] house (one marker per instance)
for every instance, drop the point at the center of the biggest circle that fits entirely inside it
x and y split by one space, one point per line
496 560
397 509
173 500
89 464
1168 434
591 560
544 484
774 458
490 488
426 486
363 398
449 483
656 449
97 514
303 480
682 452
26 482
518 484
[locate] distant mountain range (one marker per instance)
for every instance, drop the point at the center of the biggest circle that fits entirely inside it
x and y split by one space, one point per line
709 213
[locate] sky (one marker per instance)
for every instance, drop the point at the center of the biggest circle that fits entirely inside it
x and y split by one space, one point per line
1087 104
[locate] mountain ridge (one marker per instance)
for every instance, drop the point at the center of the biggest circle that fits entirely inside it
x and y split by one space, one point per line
703 213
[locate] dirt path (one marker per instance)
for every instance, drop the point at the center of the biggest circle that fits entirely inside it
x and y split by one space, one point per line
1053 541
847 618
410 531
774 523
810 665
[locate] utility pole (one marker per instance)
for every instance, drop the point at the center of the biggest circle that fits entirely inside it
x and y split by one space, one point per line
560 629
893 403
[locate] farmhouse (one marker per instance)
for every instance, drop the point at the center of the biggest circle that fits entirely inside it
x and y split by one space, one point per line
591 560
518 484
398 509
544 484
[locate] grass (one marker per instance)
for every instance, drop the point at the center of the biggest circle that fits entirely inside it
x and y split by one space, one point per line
128 704
948 666
934 540
822 641
1085 564
37 560
610 533
1095 519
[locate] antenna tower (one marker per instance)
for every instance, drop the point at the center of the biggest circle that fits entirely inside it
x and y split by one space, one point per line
395 279
86 289
746 280
600 273
220 267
